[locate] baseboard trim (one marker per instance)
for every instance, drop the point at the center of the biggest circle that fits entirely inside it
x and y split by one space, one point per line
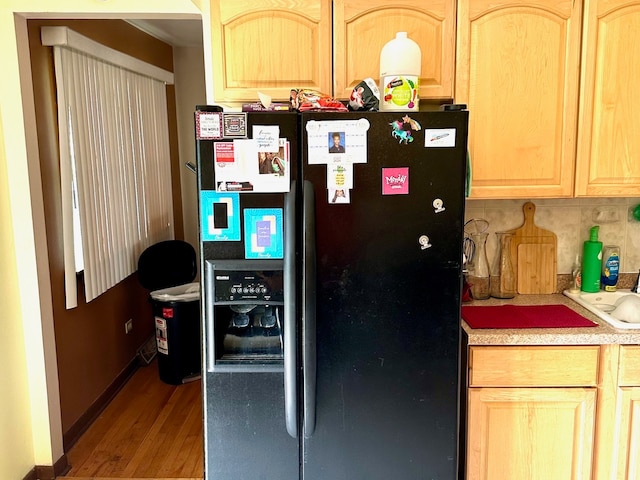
71 436
40 472
31 475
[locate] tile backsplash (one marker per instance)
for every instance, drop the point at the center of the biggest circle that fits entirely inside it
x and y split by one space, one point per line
570 220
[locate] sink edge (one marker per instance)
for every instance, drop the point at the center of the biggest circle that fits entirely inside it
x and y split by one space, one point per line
614 322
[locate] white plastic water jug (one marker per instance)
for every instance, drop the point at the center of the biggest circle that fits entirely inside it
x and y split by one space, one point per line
400 64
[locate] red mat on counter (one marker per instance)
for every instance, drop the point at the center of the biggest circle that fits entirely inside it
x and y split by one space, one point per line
523 316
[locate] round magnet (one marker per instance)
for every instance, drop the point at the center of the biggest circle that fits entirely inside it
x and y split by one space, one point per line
424 242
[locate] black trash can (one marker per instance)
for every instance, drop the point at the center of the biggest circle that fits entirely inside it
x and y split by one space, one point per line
167 270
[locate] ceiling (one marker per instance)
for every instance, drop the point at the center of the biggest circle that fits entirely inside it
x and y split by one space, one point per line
178 33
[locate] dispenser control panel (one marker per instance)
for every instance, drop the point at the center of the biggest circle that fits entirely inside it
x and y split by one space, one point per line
248 286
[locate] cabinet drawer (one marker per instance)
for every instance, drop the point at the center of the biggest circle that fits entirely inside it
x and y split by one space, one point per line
533 366
629 366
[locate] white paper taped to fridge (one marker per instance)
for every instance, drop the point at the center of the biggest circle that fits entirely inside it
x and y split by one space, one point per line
267 137
340 176
440 137
245 166
342 140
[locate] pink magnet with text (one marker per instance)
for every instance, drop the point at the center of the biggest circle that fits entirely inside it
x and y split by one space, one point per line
395 181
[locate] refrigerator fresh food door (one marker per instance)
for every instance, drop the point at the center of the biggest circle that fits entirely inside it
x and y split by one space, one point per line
387 297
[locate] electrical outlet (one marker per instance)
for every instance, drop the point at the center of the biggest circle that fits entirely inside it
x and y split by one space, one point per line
128 326
605 215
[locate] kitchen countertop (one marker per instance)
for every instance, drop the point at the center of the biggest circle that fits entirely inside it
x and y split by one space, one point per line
600 335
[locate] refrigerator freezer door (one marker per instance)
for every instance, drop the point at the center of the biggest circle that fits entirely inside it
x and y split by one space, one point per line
388 308
246 435
245 432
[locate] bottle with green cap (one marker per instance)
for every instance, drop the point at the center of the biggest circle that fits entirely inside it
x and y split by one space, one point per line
591 262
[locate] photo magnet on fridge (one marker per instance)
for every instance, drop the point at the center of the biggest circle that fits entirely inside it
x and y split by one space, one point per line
339 195
220 216
263 233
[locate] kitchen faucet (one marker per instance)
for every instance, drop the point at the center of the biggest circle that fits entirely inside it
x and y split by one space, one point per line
636 287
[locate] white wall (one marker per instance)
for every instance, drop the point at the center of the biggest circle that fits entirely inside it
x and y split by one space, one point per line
30 425
15 415
32 312
188 69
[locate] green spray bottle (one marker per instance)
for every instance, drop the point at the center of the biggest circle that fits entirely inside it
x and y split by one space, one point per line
591 262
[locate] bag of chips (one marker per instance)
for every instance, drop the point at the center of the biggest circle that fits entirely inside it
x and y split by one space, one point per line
308 100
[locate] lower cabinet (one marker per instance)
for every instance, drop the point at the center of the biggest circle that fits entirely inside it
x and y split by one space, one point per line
618 414
553 412
531 412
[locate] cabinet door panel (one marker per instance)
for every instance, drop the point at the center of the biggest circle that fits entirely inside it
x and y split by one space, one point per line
629 453
609 146
530 433
629 366
269 48
361 29
517 68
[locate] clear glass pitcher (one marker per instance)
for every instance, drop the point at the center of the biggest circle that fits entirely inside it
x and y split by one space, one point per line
503 280
479 272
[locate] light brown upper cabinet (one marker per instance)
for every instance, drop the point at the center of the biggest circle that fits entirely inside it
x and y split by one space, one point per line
608 162
269 46
517 69
362 27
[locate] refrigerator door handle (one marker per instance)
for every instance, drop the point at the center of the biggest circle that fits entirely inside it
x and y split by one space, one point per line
290 333
309 311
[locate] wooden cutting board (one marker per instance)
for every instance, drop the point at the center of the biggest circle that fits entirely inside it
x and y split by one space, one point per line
534 255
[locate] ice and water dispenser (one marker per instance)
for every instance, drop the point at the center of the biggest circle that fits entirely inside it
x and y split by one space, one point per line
245 313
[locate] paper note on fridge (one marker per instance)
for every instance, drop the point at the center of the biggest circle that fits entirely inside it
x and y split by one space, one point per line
267 137
440 137
340 176
341 140
245 167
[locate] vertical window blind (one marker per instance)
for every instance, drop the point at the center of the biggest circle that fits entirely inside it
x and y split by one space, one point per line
115 164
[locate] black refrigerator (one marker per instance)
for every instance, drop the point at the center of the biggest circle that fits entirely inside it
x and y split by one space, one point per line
331 260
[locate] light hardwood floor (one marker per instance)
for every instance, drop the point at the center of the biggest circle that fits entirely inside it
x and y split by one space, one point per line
149 430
